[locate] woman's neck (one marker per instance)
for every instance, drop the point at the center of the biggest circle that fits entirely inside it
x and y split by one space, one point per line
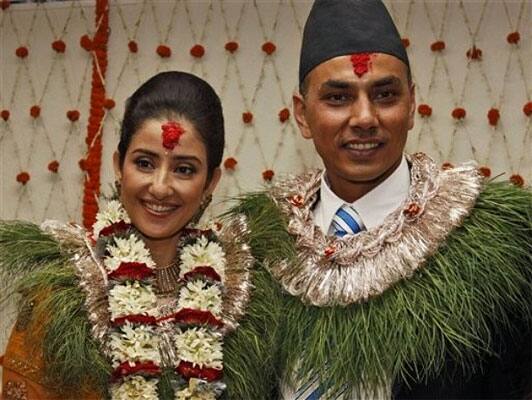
163 251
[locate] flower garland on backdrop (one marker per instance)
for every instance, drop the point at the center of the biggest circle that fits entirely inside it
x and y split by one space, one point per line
147 343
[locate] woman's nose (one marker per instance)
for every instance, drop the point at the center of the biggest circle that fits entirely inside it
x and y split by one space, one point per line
160 186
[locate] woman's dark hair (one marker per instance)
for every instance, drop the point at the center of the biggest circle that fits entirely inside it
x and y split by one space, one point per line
171 95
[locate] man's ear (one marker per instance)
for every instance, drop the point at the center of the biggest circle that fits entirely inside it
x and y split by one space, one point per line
215 179
412 111
116 166
299 114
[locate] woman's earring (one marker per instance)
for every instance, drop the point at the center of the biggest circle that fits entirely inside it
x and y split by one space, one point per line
118 188
203 206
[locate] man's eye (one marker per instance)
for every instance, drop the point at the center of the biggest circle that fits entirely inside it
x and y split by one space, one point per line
385 95
337 98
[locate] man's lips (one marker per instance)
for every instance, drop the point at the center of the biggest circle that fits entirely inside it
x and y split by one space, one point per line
362 145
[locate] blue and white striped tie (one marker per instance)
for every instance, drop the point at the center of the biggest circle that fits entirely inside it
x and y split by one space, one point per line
345 221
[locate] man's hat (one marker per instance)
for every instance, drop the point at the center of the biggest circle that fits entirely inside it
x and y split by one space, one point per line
341 27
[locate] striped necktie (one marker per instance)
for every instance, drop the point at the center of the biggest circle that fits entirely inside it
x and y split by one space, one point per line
346 221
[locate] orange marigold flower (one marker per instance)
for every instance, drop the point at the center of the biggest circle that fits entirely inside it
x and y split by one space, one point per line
284 114
73 115
517 180
527 108
268 175
513 38
35 111
231 47
53 166
133 46
406 42
485 172
22 52
5 114
458 113
230 163
23 177
424 110
197 51
474 53
268 48
438 46
447 165
85 42
109 104
59 46
164 51
5 4
493 116
247 117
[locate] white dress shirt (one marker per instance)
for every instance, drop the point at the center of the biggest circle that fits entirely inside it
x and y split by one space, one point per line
373 207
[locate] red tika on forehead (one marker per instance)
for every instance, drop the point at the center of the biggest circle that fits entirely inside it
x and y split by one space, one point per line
172 132
361 63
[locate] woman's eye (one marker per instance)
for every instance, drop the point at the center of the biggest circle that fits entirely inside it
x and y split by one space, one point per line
142 163
185 170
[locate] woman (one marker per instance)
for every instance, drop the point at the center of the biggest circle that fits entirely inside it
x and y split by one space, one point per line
138 307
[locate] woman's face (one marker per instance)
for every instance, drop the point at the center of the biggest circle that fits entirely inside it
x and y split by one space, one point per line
161 189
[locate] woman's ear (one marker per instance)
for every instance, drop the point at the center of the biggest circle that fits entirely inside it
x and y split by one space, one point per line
116 166
215 179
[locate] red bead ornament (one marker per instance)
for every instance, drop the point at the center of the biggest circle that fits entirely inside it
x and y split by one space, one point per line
447 165
22 52
4 4
73 115
438 46
527 108
164 51
133 46
513 38
23 177
474 53
85 42
197 51
53 166
35 111
406 42
493 116
329 251
458 113
517 180
284 115
109 104
5 114
59 46
268 48
485 172
231 47
412 210
297 200
247 117
424 110
230 163
268 175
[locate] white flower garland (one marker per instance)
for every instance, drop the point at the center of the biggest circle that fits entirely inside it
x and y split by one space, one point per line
133 341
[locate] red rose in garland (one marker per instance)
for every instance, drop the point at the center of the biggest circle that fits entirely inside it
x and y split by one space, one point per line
458 113
517 180
53 166
73 115
22 52
23 177
406 42
164 51
474 53
268 48
35 111
231 47
5 114
230 163
197 51
85 42
485 172
437 46
59 46
424 110
284 114
513 38
268 175
493 116
247 117
109 104
527 108
133 46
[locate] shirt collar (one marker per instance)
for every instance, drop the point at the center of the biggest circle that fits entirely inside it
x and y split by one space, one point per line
375 205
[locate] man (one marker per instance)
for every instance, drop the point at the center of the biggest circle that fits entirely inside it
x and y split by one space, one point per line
383 275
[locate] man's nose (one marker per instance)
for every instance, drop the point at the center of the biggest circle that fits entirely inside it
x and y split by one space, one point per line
363 115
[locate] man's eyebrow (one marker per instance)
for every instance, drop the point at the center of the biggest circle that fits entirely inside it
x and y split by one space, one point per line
389 80
177 157
336 84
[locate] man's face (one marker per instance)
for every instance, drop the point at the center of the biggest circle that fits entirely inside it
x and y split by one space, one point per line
359 125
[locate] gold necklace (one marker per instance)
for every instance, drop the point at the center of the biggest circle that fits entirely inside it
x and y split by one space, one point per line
167 277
